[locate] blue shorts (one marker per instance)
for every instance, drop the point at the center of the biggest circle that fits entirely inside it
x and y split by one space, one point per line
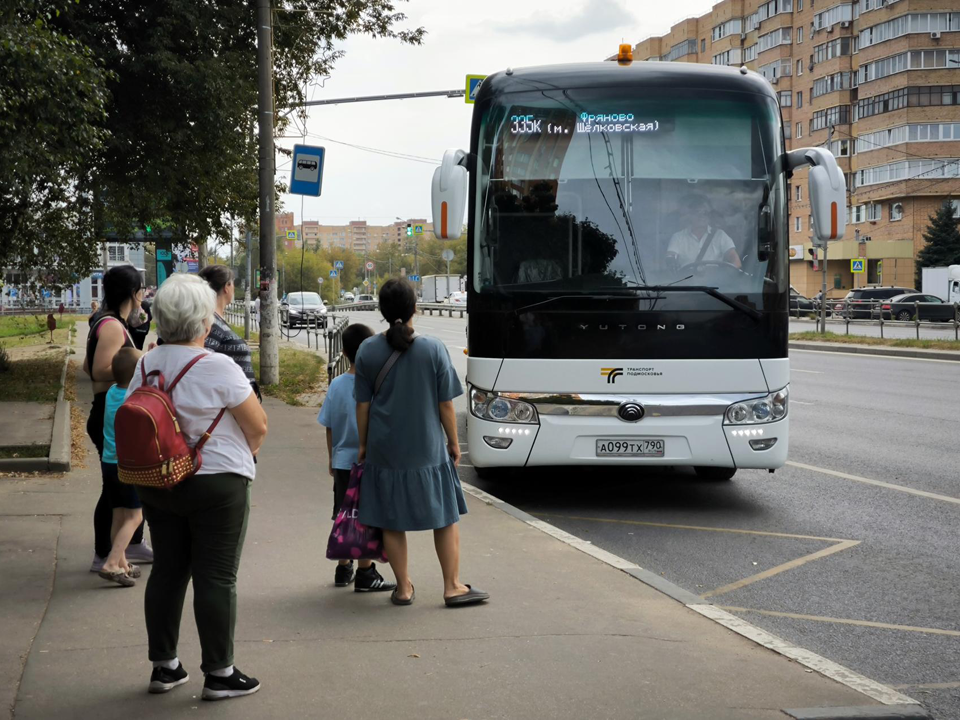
118 494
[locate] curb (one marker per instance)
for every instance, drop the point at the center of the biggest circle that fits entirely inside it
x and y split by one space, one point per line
893 705
878 350
60 441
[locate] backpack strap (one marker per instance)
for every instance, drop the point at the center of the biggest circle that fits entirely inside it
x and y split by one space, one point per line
388 366
183 372
206 436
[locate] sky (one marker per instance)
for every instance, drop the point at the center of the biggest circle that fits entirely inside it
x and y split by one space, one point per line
462 38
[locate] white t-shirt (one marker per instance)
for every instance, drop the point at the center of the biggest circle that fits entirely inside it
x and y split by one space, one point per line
214 383
687 246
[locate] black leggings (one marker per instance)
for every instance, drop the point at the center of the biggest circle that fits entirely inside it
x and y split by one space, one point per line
103 515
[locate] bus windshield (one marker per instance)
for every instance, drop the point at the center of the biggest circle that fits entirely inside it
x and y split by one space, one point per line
592 191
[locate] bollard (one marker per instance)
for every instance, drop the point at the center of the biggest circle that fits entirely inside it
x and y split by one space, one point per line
916 317
846 314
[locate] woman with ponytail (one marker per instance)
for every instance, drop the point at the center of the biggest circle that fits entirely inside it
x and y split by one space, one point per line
405 386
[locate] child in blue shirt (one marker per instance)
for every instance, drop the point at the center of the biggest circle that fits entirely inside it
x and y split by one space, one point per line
339 416
123 498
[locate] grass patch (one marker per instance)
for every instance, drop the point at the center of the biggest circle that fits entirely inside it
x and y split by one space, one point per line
254 336
33 380
24 451
301 373
875 341
24 325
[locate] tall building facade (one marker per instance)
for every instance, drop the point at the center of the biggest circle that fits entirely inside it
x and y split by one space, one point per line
357 235
875 81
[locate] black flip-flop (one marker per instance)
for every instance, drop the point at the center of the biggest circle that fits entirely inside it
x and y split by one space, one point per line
471 597
397 601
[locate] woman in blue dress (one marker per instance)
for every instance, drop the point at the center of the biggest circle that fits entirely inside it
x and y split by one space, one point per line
409 444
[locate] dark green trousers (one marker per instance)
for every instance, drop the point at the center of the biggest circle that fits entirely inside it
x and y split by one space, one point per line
197 531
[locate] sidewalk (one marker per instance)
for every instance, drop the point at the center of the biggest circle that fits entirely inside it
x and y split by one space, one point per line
564 636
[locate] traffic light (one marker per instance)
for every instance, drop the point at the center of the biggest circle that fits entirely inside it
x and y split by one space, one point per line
149 229
409 230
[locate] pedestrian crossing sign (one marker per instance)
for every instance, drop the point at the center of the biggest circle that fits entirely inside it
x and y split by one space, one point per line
858 266
291 234
418 229
473 87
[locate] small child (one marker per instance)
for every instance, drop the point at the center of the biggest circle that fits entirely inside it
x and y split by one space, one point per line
123 498
339 416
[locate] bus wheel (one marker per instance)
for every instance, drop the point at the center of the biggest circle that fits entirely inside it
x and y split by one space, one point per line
490 474
716 474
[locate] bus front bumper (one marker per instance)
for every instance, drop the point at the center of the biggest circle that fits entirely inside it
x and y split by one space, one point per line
571 440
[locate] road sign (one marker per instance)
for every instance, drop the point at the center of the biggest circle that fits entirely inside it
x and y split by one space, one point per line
414 278
418 229
291 234
369 266
447 255
320 280
338 264
306 175
333 273
473 87
366 283
858 266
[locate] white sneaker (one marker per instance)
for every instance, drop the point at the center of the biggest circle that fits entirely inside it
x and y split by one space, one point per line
140 553
97 564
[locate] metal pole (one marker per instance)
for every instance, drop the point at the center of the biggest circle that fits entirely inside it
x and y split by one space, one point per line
246 292
823 293
269 342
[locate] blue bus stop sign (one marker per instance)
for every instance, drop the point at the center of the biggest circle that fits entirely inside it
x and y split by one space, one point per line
306 175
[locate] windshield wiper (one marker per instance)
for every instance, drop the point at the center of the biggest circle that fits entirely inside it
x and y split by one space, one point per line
711 291
578 296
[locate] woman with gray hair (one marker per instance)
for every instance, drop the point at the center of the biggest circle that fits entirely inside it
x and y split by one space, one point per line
198 527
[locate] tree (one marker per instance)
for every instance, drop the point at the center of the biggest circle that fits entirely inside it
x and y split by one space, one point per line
53 97
942 241
183 97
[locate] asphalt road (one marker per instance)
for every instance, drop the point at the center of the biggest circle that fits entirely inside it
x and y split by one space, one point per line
857 538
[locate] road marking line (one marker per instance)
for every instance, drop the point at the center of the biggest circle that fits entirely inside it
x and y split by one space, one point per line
928 686
812 372
697 527
878 483
871 688
800 402
845 621
879 692
870 355
839 547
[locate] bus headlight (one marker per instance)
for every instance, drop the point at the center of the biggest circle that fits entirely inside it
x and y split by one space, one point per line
488 405
760 410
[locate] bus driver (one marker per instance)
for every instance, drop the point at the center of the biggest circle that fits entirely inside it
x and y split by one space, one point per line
700 241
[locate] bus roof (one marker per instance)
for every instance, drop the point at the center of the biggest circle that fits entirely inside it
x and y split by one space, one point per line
640 74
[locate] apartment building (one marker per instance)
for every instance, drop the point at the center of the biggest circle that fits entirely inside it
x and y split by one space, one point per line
876 81
357 235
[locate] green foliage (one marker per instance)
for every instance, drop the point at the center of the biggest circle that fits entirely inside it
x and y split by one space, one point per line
4 360
53 98
943 241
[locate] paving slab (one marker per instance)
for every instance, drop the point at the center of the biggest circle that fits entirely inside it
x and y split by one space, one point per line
26 423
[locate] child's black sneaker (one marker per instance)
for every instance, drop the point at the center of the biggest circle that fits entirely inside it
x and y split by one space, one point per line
369 580
344 575
236 685
164 680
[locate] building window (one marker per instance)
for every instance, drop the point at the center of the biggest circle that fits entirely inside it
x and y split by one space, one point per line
799 5
799 192
909 24
908 169
786 131
896 211
780 36
858 214
799 98
728 57
810 221
799 36
703 46
750 53
839 115
117 253
839 148
799 131
681 49
913 60
956 208
832 49
836 14
925 132
785 97
796 224
799 67
874 211
832 83
730 27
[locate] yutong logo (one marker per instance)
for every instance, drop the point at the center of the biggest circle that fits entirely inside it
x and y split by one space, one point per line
629 327
611 374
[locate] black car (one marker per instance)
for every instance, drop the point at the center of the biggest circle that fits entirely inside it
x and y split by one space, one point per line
864 303
799 304
903 308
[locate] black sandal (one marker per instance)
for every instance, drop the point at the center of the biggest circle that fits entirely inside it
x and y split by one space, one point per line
471 597
397 601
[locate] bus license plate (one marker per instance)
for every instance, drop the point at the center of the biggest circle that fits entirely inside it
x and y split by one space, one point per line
630 448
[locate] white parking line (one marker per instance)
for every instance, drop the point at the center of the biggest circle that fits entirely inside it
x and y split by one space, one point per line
800 402
878 483
812 372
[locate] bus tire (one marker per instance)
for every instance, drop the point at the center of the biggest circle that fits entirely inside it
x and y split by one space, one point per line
715 474
491 474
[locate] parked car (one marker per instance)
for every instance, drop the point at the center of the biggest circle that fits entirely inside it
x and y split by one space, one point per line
299 306
365 298
864 303
903 308
457 298
800 304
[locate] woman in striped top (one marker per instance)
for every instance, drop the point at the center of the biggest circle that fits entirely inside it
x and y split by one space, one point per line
222 338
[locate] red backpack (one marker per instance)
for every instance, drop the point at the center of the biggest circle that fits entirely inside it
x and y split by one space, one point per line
151 449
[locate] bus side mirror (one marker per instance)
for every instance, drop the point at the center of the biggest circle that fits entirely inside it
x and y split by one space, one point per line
449 195
827 191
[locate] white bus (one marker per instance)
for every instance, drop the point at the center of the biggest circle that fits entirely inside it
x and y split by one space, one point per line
628 266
